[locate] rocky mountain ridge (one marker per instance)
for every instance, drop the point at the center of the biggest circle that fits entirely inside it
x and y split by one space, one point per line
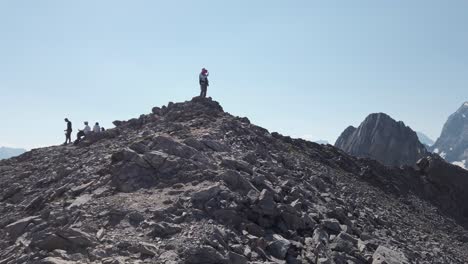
382 138
190 183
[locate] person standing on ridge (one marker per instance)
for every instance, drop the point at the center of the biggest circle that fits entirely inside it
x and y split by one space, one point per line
68 131
204 82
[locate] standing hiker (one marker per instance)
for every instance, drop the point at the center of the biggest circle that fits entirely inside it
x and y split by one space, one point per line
68 132
204 82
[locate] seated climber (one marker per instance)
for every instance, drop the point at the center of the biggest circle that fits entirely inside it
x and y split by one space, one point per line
96 128
87 128
82 133
203 79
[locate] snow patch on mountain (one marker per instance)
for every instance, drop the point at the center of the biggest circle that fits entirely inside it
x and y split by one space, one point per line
460 164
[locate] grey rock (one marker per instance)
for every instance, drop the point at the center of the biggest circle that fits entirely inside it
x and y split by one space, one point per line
236 258
68 238
164 229
279 246
266 204
147 249
204 255
239 165
171 147
17 228
206 194
52 260
332 224
215 145
235 180
344 243
384 255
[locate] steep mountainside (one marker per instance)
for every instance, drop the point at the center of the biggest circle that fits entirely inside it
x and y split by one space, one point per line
6 153
384 139
452 144
190 183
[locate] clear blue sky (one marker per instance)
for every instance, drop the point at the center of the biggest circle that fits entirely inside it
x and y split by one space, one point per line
303 68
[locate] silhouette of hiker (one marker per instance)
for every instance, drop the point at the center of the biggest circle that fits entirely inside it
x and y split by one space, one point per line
68 132
204 82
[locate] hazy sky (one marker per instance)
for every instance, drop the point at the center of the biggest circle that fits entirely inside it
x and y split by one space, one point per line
303 68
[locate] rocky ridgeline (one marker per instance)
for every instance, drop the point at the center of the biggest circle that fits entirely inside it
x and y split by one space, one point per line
190 183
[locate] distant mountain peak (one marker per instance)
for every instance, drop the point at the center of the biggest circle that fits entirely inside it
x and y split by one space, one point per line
382 138
452 144
463 107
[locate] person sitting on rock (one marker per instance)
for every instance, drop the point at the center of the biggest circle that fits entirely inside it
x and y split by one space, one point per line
79 136
203 78
82 133
103 129
96 128
87 128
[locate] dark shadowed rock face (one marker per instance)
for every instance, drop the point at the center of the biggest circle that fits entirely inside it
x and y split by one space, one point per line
452 144
381 138
190 183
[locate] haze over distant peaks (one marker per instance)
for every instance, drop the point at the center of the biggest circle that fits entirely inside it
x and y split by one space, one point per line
6 152
423 138
323 142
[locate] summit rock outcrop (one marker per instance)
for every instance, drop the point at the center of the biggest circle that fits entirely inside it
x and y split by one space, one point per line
191 183
382 138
